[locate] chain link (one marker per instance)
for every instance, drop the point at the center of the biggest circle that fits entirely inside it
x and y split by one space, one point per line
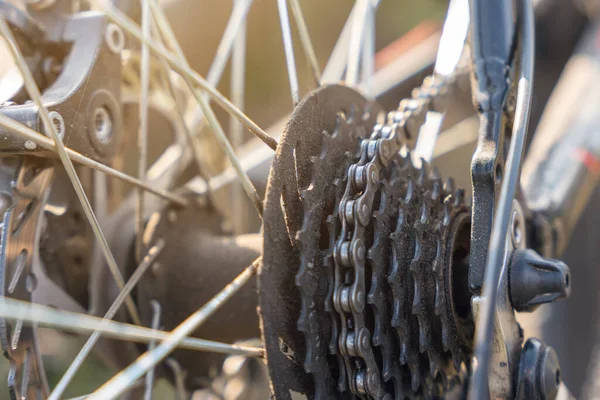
355 212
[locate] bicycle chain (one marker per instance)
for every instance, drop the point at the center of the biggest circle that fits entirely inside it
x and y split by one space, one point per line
315 292
355 212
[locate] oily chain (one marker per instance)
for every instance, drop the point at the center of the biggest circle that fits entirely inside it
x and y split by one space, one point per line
355 211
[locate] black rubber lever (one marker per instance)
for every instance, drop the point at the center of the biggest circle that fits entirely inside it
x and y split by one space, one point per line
535 280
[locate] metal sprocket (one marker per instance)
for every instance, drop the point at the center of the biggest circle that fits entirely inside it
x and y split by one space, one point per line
297 322
419 342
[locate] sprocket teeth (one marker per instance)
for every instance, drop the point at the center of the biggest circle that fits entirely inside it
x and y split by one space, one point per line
338 150
437 191
423 173
378 257
415 376
408 162
410 195
459 198
435 174
353 113
449 186
412 335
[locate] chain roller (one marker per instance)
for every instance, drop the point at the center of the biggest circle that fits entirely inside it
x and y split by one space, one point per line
355 212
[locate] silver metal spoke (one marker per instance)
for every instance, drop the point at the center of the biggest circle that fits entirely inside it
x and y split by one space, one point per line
338 60
179 114
286 34
236 23
143 126
69 321
217 129
309 50
368 51
88 346
18 328
192 139
128 376
238 72
47 144
149 381
356 41
185 71
49 127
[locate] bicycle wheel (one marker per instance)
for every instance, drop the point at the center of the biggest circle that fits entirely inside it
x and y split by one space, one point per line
84 74
365 256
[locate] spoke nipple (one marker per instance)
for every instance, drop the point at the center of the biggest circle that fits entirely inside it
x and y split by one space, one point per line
535 280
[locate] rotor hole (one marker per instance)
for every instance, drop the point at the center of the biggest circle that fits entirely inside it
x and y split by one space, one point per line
557 377
23 216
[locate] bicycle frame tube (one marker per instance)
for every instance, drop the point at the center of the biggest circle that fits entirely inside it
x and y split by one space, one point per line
563 165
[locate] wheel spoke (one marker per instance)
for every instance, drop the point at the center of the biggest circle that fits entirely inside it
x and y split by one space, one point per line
81 323
286 34
183 69
143 126
368 51
192 139
128 376
49 127
309 50
149 382
338 59
88 346
356 41
236 23
217 129
238 73
47 144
